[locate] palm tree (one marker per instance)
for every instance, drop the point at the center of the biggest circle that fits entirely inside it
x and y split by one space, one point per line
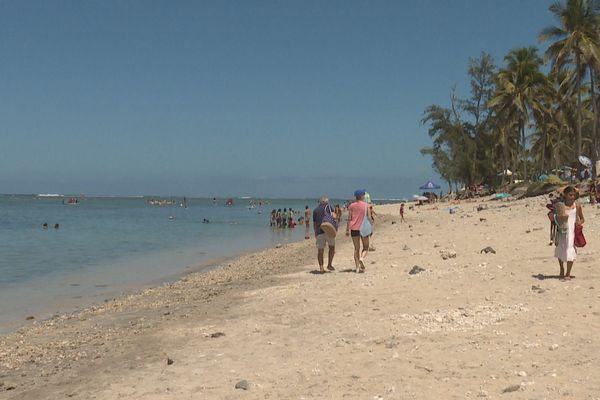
576 42
505 144
544 114
519 87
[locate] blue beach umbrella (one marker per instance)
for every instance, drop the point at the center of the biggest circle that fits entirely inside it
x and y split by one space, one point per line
429 186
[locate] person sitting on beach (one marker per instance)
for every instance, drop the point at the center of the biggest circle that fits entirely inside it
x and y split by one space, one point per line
359 210
568 214
321 237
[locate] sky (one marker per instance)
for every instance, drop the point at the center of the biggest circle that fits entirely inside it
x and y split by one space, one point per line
232 98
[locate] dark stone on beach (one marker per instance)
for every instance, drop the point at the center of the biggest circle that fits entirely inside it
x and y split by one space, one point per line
393 222
410 226
415 270
216 334
243 384
538 289
487 250
482 219
170 361
511 388
447 254
29 318
405 248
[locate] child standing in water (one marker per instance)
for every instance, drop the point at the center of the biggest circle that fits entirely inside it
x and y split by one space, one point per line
568 213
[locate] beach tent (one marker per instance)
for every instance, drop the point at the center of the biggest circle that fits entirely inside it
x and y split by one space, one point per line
419 198
429 186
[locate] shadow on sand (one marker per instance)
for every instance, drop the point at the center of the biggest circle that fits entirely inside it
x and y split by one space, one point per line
542 277
317 272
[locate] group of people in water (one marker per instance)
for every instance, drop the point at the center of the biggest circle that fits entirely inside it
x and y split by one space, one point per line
289 218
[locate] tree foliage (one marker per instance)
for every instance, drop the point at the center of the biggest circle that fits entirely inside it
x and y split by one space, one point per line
519 118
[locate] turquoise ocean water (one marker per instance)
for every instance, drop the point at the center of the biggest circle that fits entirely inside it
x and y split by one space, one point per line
108 246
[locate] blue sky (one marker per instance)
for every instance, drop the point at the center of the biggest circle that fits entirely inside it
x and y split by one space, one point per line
264 98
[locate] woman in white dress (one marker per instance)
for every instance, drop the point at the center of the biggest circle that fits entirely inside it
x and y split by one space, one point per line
568 213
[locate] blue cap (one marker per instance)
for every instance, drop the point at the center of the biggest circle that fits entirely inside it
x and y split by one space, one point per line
359 192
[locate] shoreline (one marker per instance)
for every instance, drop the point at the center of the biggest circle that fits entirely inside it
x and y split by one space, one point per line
470 325
64 304
41 314
122 319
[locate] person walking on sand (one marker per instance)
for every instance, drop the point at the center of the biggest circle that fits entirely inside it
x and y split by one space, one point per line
323 238
568 213
358 212
307 222
402 213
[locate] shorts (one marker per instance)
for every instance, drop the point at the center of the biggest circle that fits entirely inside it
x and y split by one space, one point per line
354 233
324 238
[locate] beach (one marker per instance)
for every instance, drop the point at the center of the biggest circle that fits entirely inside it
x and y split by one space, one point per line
465 324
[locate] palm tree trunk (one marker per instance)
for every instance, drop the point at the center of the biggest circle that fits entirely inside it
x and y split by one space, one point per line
544 144
523 148
504 159
578 88
593 153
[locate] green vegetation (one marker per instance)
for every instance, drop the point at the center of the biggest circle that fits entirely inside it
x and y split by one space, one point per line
519 118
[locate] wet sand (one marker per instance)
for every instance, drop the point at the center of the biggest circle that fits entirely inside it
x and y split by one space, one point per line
469 325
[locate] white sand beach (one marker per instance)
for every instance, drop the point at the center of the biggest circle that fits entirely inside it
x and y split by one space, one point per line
471 325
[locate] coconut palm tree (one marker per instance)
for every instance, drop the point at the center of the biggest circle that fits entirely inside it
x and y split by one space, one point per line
575 43
519 86
505 144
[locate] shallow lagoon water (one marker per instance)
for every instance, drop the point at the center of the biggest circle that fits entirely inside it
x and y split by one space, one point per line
108 246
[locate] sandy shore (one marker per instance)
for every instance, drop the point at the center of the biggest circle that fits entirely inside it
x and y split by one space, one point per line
470 326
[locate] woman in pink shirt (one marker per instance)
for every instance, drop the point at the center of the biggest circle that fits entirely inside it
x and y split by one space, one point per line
357 213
